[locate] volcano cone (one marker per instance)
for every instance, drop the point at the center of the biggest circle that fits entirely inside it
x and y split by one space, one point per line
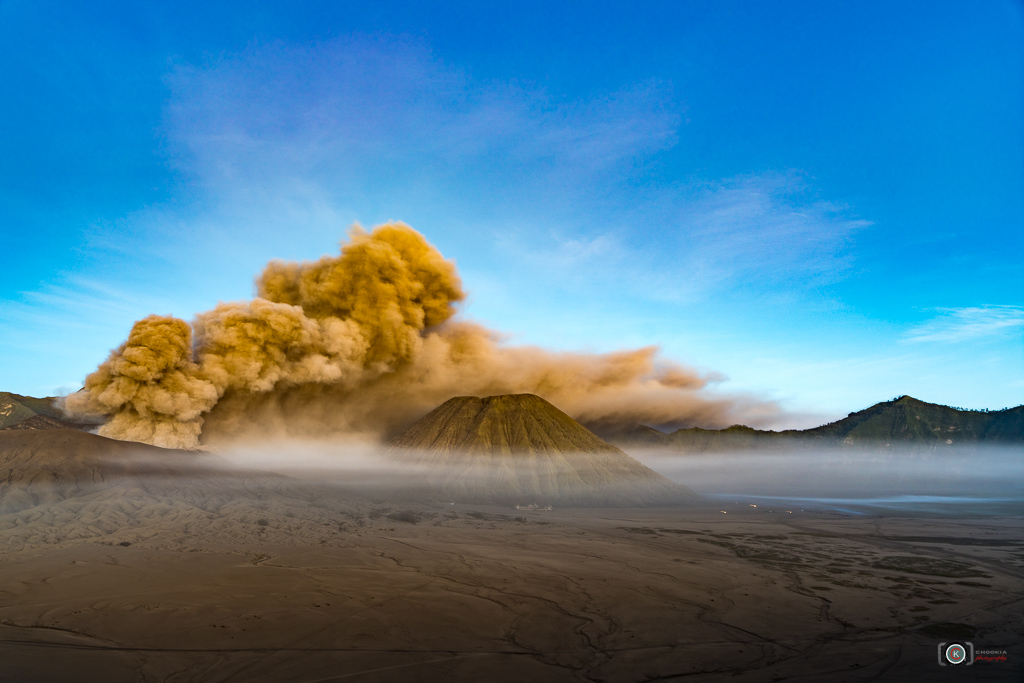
520 449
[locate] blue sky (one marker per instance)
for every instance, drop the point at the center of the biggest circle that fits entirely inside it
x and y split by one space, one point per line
823 202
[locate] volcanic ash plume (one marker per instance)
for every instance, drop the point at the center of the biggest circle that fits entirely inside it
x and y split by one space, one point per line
362 342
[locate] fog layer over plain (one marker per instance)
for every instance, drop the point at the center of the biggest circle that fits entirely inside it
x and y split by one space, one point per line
417 476
838 472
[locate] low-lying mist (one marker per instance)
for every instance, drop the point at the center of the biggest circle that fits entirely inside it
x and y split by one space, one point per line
329 460
364 468
973 472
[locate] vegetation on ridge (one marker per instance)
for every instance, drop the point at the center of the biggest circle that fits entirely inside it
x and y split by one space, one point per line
903 420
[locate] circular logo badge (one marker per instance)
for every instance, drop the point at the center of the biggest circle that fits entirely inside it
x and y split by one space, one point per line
956 653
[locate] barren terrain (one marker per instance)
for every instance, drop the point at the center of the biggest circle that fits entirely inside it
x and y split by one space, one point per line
243 577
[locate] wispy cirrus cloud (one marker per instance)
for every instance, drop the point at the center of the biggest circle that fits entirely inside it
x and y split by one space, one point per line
377 127
360 113
78 302
963 324
766 229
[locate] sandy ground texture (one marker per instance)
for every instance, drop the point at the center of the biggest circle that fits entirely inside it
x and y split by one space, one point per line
217 576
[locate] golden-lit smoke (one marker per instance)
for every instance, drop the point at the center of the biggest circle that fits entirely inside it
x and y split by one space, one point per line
391 284
150 387
359 343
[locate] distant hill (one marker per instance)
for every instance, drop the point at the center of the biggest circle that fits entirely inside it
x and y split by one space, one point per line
902 421
907 420
520 449
46 466
19 412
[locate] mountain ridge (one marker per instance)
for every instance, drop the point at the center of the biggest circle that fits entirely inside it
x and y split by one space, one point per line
19 412
904 420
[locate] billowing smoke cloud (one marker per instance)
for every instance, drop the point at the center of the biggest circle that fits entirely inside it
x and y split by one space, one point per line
150 387
362 343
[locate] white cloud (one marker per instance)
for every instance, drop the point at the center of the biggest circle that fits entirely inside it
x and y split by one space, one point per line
962 324
294 142
765 229
364 114
762 233
78 302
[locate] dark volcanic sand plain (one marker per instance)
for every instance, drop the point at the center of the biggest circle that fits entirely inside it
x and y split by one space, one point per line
218 575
